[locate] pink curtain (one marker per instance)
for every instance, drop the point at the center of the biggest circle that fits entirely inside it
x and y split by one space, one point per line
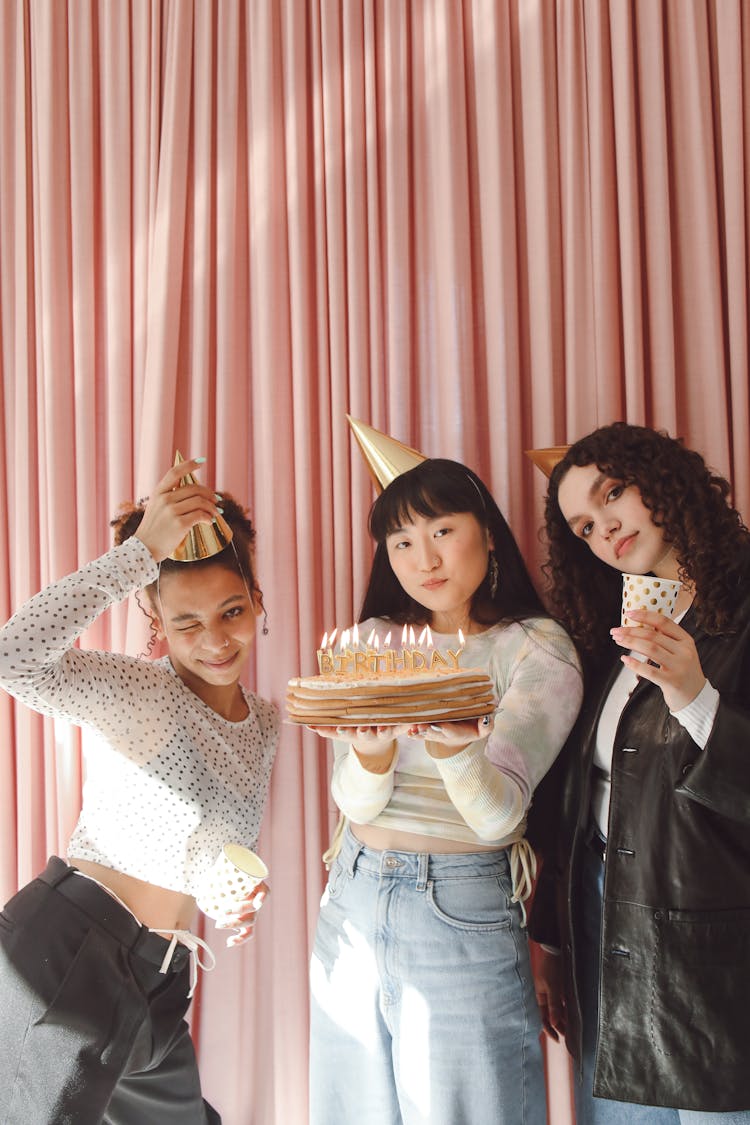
480 225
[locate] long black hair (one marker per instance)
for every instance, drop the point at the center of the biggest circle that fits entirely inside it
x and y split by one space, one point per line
439 487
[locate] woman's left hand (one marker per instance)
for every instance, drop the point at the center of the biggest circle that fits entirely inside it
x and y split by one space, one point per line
243 919
676 668
444 740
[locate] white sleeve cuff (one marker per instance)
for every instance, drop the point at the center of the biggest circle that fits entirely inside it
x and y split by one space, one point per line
698 716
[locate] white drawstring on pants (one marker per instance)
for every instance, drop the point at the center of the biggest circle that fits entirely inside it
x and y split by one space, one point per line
194 945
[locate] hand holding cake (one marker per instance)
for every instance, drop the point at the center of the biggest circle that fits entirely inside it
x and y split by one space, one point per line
443 740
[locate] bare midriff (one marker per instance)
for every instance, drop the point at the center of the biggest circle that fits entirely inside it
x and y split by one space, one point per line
156 907
391 840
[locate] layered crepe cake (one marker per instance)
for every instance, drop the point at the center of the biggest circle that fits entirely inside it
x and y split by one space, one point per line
370 698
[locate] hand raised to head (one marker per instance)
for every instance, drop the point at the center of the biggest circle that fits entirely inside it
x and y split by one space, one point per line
174 508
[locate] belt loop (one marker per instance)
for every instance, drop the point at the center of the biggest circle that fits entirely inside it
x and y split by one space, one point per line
355 846
423 861
56 871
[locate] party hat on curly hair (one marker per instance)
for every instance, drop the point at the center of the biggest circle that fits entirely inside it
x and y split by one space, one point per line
385 457
546 459
204 539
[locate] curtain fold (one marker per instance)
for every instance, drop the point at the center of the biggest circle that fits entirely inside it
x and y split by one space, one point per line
480 225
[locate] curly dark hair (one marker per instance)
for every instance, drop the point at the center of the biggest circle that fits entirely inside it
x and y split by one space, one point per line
438 487
685 497
238 552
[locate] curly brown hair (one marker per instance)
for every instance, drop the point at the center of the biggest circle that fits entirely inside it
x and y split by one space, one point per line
685 497
128 520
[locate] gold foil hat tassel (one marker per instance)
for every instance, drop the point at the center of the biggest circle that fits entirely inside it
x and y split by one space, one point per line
386 458
204 539
546 459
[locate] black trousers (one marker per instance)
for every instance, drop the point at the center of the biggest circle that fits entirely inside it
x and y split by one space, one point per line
90 1030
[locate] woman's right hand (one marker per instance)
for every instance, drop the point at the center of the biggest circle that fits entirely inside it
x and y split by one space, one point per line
547 971
172 509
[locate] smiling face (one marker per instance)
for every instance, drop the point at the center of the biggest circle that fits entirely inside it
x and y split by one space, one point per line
440 562
614 522
208 620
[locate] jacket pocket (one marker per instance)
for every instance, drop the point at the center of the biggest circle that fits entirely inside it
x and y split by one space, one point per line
698 1008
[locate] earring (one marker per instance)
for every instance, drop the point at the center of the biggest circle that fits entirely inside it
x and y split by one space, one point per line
265 623
493 572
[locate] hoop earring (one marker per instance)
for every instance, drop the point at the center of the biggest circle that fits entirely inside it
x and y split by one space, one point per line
493 572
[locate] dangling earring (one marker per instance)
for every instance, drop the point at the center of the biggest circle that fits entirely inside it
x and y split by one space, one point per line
493 571
265 623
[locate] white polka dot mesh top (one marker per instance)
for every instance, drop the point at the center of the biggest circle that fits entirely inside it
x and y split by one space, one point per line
168 781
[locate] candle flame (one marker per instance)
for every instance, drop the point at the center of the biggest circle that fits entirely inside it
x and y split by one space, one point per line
412 642
423 635
461 640
324 642
404 636
333 636
344 642
355 635
371 639
387 640
376 643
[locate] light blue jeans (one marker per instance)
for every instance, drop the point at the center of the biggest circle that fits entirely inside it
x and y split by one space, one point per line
602 1111
422 1004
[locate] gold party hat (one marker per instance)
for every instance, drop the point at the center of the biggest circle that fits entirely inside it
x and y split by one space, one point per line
385 457
546 459
204 539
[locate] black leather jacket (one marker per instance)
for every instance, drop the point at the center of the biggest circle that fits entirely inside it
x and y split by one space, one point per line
675 1000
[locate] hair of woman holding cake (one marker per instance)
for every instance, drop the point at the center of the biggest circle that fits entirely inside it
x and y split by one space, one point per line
436 487
97 959
421 988
652 794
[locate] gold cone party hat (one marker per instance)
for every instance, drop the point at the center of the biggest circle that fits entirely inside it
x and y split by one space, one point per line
546 459
385 457
204 539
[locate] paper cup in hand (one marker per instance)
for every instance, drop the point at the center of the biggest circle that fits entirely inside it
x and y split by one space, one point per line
642 591
231 880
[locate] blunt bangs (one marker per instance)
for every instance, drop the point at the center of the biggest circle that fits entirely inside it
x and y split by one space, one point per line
436 487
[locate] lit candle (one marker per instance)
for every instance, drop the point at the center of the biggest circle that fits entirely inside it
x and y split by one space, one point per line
454 654
389 654
325 655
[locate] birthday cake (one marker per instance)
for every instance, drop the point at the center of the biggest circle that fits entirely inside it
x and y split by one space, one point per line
379 686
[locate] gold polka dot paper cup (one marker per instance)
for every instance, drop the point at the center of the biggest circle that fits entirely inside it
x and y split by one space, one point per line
642 591
231 880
